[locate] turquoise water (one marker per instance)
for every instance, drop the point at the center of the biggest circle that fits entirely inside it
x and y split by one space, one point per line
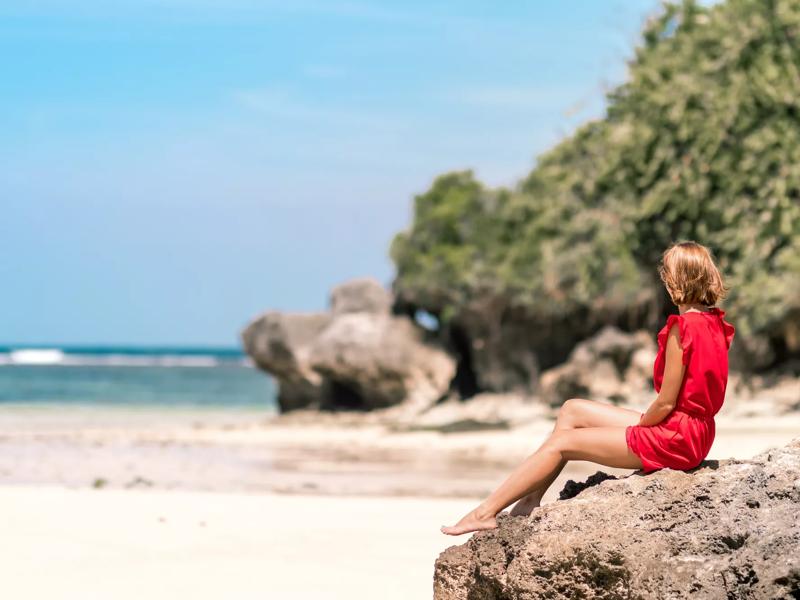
129 377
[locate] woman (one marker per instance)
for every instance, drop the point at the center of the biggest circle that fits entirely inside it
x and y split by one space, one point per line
690 375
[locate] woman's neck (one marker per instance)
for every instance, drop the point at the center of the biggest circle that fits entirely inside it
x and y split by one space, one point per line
682 308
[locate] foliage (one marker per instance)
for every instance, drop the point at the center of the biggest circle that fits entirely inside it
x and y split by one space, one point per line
701 142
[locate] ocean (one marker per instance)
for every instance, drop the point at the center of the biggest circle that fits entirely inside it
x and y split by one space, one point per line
214 378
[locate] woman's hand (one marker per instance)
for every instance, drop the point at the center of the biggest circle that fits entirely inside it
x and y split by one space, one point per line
674 370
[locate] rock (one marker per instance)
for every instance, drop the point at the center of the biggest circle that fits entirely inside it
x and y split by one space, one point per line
727 529
375 361
611 365
280 344
503 342
502 350
358 356
364 294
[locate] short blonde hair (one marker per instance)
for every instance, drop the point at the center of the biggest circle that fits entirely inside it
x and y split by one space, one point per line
690 274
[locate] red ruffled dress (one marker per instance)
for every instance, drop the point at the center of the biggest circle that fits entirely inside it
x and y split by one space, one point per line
683 439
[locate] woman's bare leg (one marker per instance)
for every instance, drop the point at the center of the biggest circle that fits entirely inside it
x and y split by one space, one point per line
526 505
602 445
577 413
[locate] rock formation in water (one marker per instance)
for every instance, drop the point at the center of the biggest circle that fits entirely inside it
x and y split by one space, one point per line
727 529
357 356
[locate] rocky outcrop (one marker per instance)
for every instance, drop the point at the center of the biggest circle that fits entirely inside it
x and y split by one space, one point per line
727 529
379 361
357 356
611 365
362 295
280 344
504 348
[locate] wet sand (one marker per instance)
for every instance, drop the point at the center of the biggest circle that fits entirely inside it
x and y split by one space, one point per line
240 451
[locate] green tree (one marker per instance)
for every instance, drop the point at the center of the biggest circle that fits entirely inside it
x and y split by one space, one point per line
701 142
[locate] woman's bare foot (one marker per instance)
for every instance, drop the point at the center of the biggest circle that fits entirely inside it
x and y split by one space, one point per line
525 506
475 520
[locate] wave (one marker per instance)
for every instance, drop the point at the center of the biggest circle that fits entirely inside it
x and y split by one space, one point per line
44 356
59 357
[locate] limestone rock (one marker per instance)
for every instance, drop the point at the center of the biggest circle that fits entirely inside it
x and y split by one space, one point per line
363 294
611 365
727 529
374 361
280 343
358 356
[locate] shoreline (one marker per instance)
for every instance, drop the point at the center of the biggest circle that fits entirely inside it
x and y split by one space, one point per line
251 452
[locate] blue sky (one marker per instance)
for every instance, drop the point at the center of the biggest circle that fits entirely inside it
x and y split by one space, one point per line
170 168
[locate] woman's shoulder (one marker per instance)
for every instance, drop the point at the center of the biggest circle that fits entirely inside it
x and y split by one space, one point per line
672 320
684 333
690 326
727 329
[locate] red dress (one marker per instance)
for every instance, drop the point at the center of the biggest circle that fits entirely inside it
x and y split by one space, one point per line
683 439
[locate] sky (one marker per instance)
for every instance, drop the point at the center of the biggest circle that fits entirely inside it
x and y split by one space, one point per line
171 168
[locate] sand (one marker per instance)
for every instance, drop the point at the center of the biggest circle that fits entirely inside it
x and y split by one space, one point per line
233 505
238 451
90 544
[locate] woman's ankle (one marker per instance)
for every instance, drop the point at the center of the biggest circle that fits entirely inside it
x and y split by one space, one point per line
484 513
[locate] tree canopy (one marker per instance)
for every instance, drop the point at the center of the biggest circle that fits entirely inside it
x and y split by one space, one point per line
701 142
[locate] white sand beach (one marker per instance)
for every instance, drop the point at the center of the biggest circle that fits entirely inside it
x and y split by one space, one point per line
101 544
235 505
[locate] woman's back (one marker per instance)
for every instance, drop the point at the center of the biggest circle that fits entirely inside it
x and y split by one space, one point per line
705 339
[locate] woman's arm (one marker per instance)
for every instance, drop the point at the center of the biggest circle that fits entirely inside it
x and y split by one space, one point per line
674 370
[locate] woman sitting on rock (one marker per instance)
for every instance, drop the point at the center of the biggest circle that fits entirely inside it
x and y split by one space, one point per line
690 375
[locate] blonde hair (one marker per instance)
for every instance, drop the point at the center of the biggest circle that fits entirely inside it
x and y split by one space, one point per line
690 274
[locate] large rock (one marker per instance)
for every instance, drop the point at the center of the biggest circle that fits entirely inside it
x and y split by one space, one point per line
358 356
610 366
361 295
728 529
501 349
375 361
280 343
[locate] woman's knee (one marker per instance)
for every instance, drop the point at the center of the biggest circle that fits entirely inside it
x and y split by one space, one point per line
569 414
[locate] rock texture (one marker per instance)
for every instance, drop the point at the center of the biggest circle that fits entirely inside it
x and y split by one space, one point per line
611 365
280 343
357 356
362 295
728 529
381 360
